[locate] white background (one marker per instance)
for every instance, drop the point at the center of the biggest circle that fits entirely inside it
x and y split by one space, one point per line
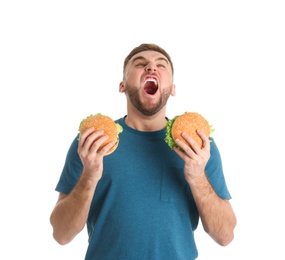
62 60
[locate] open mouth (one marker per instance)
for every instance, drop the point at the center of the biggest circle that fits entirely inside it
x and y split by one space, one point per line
150 86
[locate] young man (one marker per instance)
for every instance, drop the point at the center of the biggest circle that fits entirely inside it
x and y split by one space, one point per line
144 200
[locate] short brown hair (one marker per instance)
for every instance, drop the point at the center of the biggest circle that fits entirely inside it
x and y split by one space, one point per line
147 47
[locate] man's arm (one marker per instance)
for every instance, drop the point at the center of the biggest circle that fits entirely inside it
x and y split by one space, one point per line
216 214
71 211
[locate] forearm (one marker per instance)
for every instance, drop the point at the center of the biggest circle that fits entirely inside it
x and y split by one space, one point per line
71 211
216 214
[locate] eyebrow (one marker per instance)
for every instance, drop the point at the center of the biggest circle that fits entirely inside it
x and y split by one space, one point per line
143 58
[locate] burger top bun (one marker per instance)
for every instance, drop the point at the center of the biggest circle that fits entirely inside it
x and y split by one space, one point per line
189 123
103 122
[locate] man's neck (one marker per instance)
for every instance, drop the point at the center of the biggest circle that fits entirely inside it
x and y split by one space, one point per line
146 123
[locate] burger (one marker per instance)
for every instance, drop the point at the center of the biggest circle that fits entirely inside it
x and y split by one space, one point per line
188 123
103 122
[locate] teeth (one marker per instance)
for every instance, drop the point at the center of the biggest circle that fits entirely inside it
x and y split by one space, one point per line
150 80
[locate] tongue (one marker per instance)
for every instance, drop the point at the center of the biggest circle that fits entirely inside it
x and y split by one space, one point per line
150 88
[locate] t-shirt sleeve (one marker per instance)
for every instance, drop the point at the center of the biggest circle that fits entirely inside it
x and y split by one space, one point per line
215 174
72 169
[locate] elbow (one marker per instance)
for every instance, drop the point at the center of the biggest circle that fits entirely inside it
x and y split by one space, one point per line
222 239
226 240
224 235
61 236
60 239
227 235
58 234
65 235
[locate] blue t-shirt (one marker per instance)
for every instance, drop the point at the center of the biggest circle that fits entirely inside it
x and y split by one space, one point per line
142 207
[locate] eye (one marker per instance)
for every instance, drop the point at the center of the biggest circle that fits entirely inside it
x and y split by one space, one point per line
160 65
140 65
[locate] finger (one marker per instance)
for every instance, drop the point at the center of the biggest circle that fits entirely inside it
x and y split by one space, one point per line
105 149
187 148
205 139
192 143
181 153
84 135
96 142
88 137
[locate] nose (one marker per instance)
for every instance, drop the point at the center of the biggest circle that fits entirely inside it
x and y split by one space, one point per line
150 67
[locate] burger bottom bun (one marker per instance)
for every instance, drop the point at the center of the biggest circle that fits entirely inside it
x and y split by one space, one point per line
112 149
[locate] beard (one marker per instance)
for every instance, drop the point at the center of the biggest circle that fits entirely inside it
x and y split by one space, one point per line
147 108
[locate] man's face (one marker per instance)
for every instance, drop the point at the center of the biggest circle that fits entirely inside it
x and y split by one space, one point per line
148 82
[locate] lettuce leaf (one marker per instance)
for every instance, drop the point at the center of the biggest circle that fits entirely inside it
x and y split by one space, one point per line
168 136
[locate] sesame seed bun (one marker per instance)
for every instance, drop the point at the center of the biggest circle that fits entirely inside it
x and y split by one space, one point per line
189 123
103 122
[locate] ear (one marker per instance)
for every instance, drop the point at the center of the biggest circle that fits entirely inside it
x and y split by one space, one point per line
122 87
173 92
